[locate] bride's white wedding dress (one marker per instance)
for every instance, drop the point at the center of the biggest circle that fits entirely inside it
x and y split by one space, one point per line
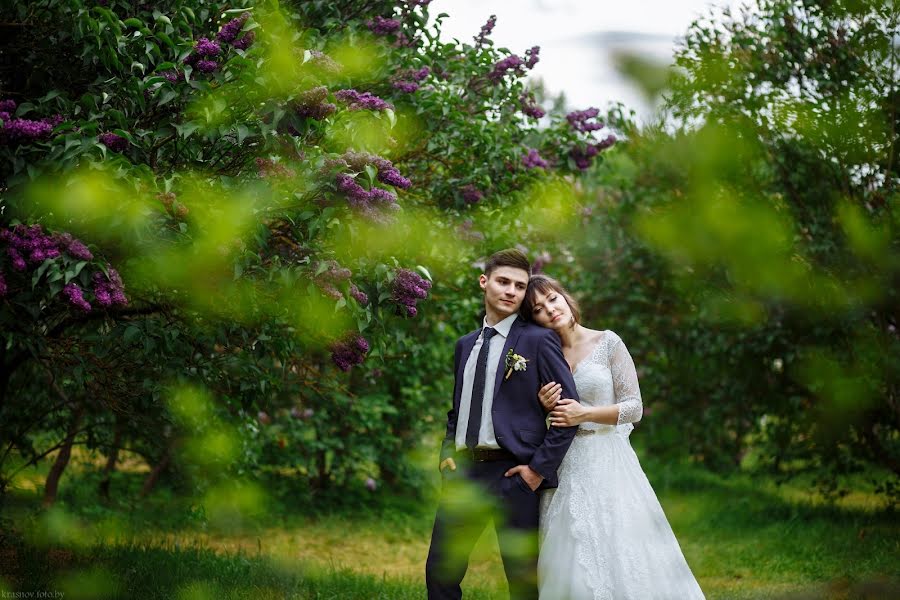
603 532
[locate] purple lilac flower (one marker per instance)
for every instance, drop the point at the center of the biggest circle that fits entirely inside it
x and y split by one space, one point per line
512 63
312 104
408 81
114 142
109 289
388 173
382 26
245 41
324 62
18 262
349 352
379 196
8 105
486 30
267 167
334 271
471 194
3 288
584 157
232 28
533 58
606 142
540 262
206 47
25 130
207 66
359 295
75 296
530 107
579 120
408 289
465 231
361 101
30 242
371 484
533 160
73 247
171 75
407 87
357 195
4 116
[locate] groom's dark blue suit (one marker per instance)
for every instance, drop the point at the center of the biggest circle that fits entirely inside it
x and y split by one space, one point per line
520 428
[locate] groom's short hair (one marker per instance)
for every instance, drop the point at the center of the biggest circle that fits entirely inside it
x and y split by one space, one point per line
511 257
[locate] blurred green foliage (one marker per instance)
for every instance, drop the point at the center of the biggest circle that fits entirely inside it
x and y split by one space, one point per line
746 246
242 252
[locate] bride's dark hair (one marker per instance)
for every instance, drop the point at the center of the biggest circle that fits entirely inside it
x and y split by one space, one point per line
544 285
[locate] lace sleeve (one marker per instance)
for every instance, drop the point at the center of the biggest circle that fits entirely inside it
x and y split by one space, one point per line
625 383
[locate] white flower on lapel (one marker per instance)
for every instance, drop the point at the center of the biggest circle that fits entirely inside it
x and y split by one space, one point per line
514 362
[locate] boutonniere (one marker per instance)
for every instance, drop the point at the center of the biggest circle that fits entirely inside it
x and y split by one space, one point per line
514 362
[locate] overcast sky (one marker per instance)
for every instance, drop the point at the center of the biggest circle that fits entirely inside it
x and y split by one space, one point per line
577 38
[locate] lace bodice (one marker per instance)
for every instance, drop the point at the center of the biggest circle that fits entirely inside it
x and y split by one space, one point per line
607 376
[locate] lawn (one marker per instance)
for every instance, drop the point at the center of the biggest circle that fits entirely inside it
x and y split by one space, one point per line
744 537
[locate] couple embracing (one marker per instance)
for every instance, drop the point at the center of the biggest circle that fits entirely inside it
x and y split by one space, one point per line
575 488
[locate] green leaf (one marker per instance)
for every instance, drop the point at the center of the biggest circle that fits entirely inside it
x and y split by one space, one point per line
167 41
242 132
166 96
186 129
134 22
131 332
39 272
425 272
372 173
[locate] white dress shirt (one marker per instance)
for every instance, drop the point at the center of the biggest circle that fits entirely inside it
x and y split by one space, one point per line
486 437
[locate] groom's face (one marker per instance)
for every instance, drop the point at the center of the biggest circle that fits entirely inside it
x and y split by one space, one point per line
504 289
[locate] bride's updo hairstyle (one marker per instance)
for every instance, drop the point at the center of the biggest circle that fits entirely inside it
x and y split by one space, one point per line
541 284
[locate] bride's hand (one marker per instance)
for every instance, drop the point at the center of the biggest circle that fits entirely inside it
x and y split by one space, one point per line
568 413
549 395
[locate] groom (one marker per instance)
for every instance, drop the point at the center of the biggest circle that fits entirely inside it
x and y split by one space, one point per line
497 438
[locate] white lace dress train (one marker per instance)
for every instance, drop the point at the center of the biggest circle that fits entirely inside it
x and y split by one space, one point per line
603 532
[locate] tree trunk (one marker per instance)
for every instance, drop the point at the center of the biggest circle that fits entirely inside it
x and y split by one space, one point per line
111 459
153 477
62 459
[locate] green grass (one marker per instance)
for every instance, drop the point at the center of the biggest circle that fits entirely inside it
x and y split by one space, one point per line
744 537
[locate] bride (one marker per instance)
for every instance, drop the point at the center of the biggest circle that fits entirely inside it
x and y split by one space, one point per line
603 532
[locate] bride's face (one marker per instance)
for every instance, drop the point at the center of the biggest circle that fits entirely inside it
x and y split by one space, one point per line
551 310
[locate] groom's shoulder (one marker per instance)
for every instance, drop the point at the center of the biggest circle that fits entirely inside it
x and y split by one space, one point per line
536 332
471 334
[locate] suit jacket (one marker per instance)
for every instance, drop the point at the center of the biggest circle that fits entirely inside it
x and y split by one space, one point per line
518 417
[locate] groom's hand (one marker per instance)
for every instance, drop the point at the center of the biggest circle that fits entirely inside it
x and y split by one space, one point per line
447 463
529 476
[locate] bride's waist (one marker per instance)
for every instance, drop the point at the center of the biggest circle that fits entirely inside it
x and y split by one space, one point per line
595 429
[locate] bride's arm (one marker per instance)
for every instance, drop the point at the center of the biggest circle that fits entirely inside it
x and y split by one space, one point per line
569 413
628 407
625 384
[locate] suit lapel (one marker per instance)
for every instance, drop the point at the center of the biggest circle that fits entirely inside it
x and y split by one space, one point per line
510 344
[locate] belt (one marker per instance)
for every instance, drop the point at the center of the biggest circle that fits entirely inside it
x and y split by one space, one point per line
604 431
485 454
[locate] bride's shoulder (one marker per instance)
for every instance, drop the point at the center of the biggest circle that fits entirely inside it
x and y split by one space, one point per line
598 336
610 337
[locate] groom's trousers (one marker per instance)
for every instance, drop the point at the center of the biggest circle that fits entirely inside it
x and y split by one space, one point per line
471 496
